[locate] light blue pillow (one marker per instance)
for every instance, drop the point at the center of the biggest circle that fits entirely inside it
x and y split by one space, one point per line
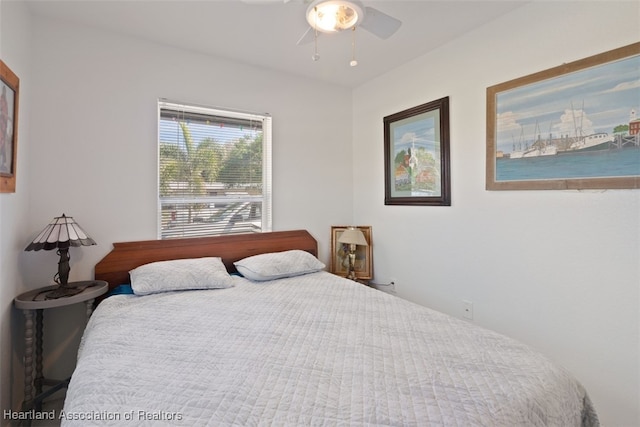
276 265
180 275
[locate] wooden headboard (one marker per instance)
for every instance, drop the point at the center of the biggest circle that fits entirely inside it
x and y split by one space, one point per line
125 256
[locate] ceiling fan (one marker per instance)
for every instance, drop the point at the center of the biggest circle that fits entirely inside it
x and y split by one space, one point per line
332 16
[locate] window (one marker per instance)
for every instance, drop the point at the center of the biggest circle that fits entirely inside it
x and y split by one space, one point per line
214 171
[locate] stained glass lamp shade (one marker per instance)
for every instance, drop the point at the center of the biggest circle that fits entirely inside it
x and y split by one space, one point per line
61 233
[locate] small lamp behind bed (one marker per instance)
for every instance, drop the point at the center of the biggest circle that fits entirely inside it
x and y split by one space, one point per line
353 237
61 233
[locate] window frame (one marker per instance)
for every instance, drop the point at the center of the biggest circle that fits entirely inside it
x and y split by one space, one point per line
224 114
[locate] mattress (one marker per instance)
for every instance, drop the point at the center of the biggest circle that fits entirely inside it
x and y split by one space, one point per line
310 350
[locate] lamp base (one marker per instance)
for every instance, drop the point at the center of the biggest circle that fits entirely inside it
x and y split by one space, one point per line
63 291
351 274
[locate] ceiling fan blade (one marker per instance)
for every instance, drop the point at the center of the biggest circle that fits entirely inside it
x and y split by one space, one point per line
307 37
379 23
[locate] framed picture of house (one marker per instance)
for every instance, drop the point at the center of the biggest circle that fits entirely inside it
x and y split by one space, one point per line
339 254
574 126
9 91
416 156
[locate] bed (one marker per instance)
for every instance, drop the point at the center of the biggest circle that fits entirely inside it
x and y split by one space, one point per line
288 344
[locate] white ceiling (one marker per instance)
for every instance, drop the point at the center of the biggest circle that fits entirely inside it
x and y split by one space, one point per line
266 34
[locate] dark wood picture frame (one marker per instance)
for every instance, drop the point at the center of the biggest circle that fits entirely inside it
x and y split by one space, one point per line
416 156
9 94
573 126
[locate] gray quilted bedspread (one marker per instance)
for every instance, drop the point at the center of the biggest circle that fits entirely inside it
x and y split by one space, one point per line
315 350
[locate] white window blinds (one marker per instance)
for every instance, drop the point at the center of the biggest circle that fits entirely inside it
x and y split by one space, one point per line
214 171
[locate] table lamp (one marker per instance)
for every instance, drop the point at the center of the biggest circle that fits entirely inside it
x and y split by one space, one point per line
61 233
353 237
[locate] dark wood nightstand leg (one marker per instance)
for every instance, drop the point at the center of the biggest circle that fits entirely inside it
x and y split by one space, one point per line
39 331
28 359
39 376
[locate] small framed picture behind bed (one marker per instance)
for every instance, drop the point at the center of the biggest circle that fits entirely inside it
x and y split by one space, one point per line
340 254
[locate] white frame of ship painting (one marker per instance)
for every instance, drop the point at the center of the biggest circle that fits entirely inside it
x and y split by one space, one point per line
575 126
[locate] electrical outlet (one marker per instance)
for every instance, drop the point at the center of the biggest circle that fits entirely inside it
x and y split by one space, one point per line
468 309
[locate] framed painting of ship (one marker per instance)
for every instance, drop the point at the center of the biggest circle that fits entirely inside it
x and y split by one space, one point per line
575 126
416 156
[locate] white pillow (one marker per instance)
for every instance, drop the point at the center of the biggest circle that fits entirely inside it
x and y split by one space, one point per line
180 275
276 265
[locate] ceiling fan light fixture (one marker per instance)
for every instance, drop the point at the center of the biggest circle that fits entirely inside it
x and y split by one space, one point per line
333 15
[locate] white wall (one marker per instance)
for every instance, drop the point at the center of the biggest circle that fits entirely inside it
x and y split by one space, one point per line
15 42
96 119
558 270
94 133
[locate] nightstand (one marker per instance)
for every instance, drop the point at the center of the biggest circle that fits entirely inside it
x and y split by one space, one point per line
34 301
